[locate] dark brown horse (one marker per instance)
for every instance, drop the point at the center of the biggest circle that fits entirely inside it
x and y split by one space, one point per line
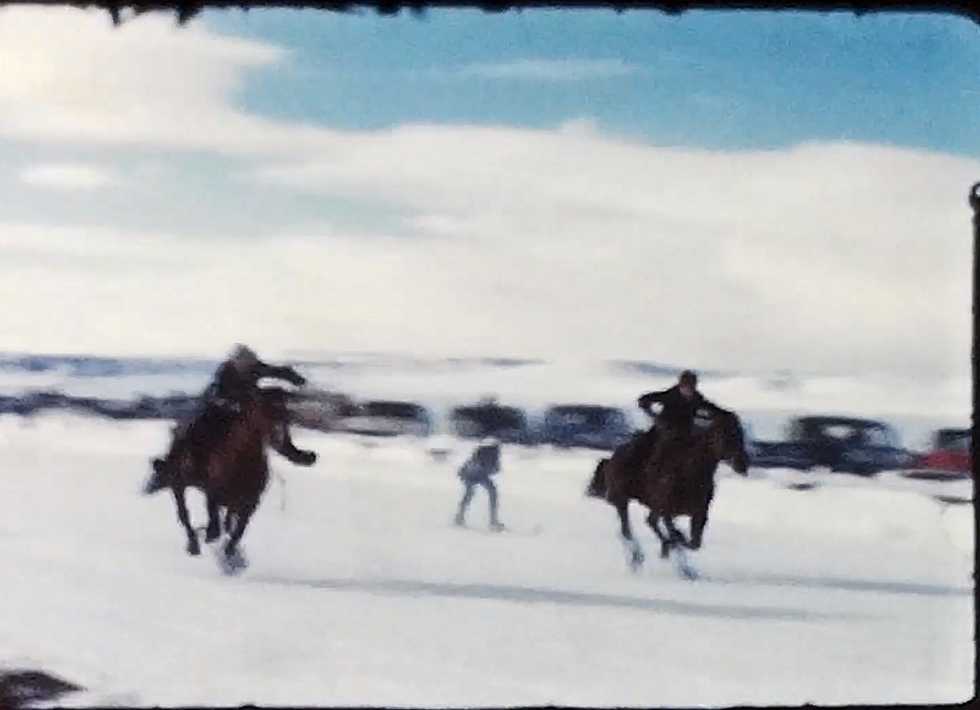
234 470
682 484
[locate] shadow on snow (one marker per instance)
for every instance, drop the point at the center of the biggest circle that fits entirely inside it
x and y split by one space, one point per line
530 595
845 585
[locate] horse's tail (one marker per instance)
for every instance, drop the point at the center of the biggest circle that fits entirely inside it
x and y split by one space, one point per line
597 486
158 480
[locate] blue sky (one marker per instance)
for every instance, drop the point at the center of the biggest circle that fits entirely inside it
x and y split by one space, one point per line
717 80
719 190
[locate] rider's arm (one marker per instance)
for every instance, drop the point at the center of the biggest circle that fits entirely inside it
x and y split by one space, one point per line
275 372
650 398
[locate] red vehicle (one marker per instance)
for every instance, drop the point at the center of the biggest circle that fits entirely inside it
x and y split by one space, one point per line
950 455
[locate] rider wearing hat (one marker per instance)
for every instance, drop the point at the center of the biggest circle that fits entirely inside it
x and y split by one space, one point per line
239 375
679 405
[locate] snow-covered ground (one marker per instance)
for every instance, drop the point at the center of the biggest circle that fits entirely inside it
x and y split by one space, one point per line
360 593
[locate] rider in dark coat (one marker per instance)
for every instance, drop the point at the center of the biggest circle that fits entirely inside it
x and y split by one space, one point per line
239 375
479 469
679 405
234 380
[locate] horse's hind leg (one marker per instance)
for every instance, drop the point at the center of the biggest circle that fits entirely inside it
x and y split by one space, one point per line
214 520
676 536
193 546
665 542
634 552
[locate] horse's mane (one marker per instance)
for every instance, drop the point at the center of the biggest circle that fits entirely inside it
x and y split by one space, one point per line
724 420
730 416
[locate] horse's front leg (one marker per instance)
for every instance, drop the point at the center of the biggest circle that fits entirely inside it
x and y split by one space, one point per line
634 552
698 522
193 546
283 444
233 560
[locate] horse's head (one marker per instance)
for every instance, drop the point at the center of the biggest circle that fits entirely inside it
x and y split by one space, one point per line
292 376
728 441
265 413
273 408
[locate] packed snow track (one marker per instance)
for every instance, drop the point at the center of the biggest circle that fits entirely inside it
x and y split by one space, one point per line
361 593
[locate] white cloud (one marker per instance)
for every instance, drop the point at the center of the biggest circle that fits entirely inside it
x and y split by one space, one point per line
827 256
69 176
832 257
68 75
551 69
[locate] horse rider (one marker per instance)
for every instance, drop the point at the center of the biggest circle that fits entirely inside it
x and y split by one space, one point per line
675 422
479 469
235 380
239 375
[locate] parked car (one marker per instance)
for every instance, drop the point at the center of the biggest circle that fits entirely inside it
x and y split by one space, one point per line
586 425
388 418
775 454
949 456
322 410
849 444
508 424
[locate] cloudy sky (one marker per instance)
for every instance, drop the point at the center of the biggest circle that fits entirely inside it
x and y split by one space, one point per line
712 190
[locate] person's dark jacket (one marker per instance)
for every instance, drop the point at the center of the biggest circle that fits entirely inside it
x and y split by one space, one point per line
677 412
483 463
232 385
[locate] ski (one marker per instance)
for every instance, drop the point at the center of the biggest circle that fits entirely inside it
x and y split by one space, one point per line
533 531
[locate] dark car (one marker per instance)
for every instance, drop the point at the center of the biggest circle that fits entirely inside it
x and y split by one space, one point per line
780 454
586 425
388 418
849 444
775 454
508 424
322 410
952 439
32 402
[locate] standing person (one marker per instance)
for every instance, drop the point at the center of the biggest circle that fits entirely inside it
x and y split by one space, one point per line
479 469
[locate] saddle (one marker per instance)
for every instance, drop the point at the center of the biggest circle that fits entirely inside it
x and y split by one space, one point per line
208 423
671 441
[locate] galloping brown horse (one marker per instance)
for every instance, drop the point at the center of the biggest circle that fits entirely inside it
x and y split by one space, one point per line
683 484
235 469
